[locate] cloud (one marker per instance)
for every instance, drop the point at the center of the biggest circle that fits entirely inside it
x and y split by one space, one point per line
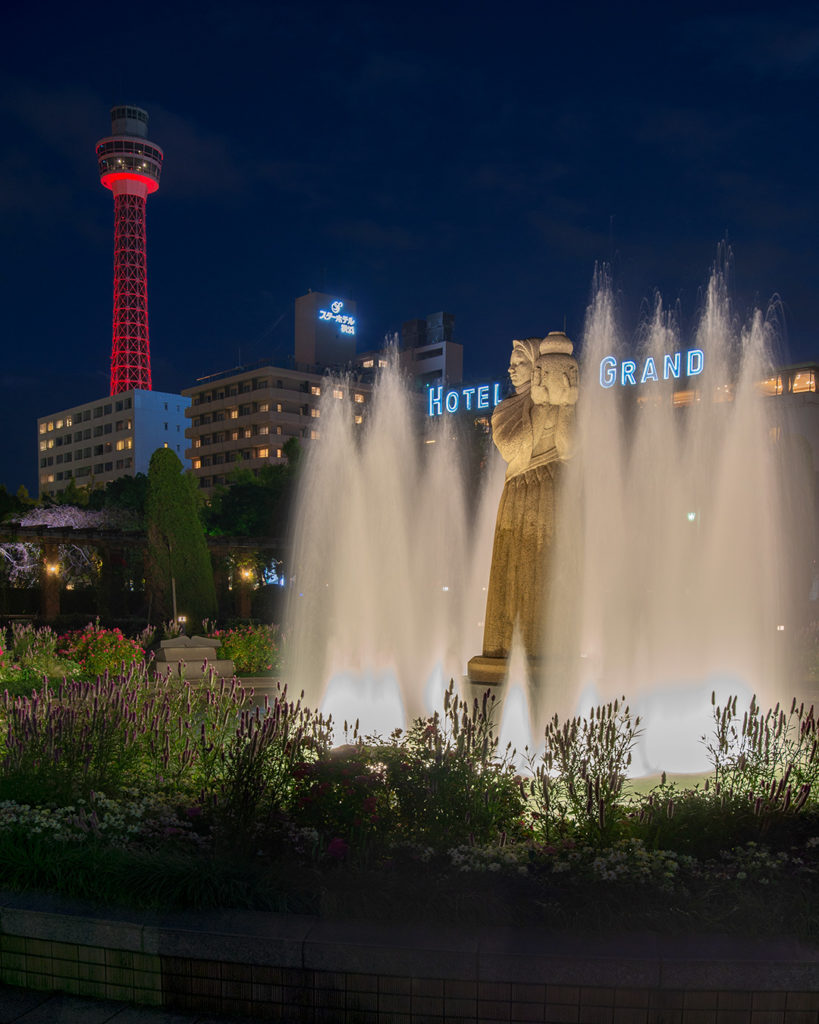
780 44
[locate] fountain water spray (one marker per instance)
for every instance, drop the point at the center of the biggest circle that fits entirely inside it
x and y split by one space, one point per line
677 553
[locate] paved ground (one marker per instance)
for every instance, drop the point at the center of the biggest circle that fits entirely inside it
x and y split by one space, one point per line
29 1007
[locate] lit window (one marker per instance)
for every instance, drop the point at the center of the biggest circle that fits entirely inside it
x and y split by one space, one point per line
315 413
234 414
803 382
50 442
314 435
278 453
51 425
264 406
197 442
382 363
69 421
359 398
42 428
234 435
264 453
771 386
315 389
264 429
278 407
359 419
43 446
368 364
197 463
685 397
338 393
59 424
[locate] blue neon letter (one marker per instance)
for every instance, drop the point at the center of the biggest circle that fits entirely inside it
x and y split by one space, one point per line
468 393
483 396
695 362
627 368
649 371
435 408
495 394
671 366
452 401
608 372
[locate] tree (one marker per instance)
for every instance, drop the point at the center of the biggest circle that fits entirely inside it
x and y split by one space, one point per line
126 492
256 506
177 556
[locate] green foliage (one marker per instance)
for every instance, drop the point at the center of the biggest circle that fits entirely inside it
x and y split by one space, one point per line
256 506
449 782
254 768
97 650
772 758
129 493
10 503
209 799
252 649
346 795
30 656
177 551
578 780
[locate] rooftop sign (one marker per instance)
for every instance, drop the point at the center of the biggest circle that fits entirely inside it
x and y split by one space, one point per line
334 314
628 372
478 398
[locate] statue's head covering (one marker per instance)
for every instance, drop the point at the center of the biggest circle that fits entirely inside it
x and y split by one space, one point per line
529 347
556 341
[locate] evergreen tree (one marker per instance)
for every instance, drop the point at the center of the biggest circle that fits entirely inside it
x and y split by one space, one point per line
177 554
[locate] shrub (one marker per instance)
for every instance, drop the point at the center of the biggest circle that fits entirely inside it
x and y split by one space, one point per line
254 768
97 650
30 657
450 783
252 649
345 796
772 758
578 780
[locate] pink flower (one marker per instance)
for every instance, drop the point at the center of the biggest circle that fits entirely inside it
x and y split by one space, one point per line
338 849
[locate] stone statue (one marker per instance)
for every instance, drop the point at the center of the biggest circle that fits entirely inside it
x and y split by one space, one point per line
534 432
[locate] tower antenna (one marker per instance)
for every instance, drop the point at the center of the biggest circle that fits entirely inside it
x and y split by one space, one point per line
129 166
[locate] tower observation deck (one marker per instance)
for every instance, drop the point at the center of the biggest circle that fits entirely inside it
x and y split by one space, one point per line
130 166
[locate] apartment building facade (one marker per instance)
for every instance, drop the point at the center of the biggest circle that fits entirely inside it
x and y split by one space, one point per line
245 416
97 442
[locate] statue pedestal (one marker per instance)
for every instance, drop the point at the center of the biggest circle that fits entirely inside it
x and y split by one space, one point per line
486 671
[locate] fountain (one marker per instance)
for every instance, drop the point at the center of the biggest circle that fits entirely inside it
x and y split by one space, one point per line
672 582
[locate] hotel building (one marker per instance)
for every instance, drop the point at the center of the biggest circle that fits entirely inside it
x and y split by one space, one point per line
97 442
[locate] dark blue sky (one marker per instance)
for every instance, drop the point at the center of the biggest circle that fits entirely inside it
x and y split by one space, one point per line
478 158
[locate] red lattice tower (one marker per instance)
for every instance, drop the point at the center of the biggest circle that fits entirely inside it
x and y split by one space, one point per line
130 166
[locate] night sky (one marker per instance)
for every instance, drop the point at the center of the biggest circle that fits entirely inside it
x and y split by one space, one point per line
477 158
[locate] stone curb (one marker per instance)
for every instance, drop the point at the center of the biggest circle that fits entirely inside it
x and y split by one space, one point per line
487 954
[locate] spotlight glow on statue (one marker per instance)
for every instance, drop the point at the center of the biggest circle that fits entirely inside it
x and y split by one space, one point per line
534 432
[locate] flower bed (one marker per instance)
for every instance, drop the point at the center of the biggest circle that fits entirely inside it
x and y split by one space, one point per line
167 793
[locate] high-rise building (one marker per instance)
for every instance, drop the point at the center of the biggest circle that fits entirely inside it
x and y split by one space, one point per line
429 351
326 330
130 166
96 442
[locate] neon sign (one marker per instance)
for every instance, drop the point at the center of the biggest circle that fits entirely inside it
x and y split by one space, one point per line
345 322
476 398
627 372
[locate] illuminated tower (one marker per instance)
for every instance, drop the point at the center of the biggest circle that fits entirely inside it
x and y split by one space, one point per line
130 166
